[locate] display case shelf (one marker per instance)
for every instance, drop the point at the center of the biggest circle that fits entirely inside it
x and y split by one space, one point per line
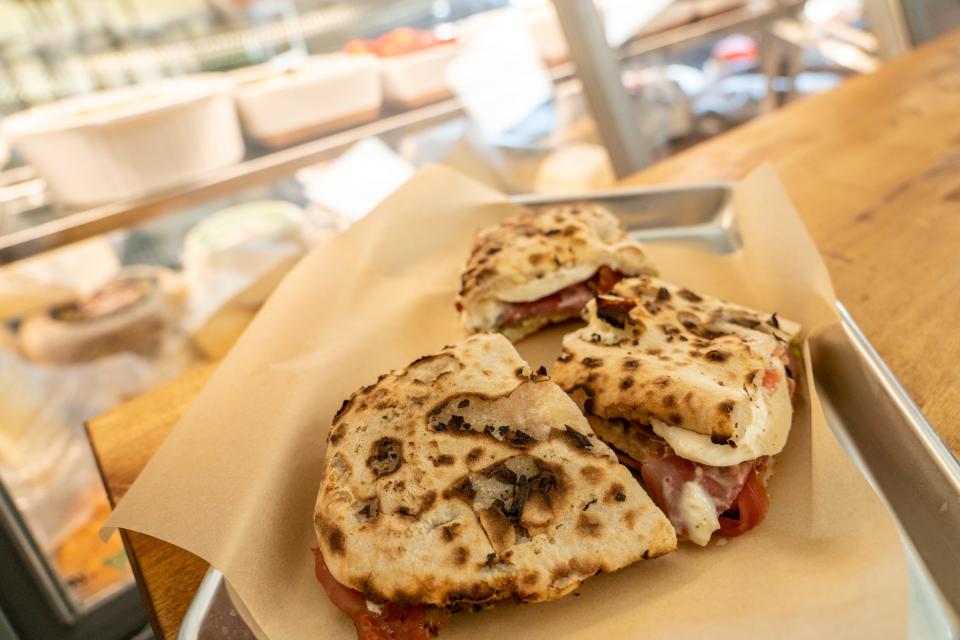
48 226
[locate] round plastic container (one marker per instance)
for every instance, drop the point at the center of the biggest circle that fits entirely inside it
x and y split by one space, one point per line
128 142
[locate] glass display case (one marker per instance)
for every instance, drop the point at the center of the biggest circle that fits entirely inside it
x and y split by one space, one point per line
226 139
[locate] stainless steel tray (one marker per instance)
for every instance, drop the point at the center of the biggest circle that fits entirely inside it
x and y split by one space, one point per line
878 424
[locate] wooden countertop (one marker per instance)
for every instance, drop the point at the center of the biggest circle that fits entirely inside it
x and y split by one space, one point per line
874 169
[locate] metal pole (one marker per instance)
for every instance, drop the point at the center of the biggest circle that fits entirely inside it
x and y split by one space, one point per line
886 18
599 71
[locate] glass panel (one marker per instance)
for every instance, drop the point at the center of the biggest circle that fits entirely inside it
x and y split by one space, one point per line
48 469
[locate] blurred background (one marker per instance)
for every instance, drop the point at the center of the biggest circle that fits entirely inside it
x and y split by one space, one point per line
163 164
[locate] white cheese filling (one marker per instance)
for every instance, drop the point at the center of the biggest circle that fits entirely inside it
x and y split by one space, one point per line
699 513
550 283
764 435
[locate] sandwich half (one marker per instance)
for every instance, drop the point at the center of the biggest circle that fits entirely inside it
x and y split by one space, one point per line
542 266
694 394
466 479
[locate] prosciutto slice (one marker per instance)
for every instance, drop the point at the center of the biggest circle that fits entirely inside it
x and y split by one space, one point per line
394 622
570 299
737 492
665 479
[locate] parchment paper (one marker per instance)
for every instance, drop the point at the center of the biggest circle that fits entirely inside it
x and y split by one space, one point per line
236 480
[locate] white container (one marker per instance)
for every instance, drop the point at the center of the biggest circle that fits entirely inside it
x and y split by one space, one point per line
327 92
541 21
415 79
235 247
128 142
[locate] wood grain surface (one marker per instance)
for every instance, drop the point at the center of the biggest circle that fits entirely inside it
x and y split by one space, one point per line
874 169
123 441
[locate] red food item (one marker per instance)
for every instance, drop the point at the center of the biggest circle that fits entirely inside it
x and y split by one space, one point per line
358 46
395 622
629 462
572 298
750 509
784 356
396 43
738 492
771 380
664 479
606 278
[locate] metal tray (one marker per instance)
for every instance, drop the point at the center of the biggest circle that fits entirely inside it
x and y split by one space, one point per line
876 422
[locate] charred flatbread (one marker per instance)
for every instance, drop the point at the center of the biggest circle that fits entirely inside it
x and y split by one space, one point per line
466 479
693 392
542 266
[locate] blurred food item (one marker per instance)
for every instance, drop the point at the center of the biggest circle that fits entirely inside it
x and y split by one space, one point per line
89 565
232 260
245 237
132 312
55 277
580 166
413 65
737 51
127 142
415 79
281 106
397 42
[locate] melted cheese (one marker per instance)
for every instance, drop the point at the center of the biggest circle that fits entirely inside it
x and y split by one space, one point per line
764 435
550 283
699 513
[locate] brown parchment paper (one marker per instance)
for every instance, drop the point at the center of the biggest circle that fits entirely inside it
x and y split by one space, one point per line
236 480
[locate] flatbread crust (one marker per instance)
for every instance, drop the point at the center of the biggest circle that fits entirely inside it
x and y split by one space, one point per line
654 351
466 478
542 251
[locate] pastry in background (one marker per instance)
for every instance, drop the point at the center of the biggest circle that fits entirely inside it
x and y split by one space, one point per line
132 312
233 260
